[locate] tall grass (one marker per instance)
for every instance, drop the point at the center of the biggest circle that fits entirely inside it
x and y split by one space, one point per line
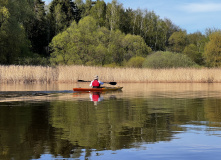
27 74
70 74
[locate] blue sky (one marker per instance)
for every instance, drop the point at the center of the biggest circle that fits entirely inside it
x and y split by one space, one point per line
191 15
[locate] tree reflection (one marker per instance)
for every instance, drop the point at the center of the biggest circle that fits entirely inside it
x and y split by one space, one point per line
71 128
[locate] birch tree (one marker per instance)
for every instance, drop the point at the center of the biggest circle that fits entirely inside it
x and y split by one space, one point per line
113 15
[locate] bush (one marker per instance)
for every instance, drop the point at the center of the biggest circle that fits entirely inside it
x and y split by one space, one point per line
111 65
168 60
136 62
34 60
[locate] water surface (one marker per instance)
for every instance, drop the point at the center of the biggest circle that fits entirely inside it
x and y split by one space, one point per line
144 121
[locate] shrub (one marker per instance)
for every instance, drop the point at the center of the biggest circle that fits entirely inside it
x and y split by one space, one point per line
111 65
136 62
168 60
34 60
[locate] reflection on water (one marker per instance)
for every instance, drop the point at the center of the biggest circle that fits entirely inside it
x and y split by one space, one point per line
144 121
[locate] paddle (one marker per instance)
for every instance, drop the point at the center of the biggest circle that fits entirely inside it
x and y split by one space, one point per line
111 83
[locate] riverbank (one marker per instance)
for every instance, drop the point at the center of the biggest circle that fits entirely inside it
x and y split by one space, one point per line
70 74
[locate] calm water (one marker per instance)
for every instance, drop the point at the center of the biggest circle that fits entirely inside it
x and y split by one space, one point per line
144 121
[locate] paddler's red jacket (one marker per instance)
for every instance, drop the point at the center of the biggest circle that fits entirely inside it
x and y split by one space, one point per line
95 83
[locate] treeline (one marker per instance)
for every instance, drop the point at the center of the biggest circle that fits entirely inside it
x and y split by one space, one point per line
98 33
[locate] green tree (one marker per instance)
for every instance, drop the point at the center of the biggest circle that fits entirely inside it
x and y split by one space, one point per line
170 28
65 47
98 12
4 13
212 52
154 30
87 8
103 41
134 46
75 45
37 29
192 52
177 41
113 15
61 48
126 21
115 47
88 28
198 39
100 54
61 15
13 39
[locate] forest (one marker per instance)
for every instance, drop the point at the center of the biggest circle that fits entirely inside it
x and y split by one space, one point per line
95 33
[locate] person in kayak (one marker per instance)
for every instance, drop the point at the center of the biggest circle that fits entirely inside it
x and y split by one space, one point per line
96 83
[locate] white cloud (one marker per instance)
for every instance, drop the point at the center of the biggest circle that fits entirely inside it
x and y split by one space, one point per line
202 7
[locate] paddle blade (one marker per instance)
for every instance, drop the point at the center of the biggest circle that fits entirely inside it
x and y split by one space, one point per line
112 83
82 81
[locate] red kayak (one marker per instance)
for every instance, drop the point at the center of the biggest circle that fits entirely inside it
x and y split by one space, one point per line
98 89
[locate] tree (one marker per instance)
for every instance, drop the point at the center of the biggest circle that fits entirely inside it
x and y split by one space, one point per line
198 39
170 29
13 39
154 30
98 12
37 29
61 15
4 13
65 47
87 8
212 52
113 15
115 47
88 28
100 54
177 41
76 45
134 46
192 52
126 21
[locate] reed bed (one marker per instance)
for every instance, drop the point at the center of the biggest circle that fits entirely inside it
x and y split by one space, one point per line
70 74
27 74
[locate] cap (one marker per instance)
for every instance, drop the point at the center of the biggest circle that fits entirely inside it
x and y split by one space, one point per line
95 77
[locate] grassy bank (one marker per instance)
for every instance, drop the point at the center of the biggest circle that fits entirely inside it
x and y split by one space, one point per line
70 74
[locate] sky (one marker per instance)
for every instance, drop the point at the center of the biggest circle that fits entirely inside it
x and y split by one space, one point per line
190 15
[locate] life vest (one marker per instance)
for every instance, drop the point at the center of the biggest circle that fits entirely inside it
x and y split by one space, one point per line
95 83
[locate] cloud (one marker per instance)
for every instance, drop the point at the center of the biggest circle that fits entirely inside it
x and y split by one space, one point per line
202 7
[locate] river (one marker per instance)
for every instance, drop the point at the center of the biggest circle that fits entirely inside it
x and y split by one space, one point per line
168 121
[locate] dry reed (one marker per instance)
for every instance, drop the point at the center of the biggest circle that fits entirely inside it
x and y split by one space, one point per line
70 74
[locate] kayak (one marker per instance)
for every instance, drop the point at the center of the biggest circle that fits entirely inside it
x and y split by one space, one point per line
98 89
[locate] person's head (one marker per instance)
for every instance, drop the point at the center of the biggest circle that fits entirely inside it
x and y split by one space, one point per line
96 77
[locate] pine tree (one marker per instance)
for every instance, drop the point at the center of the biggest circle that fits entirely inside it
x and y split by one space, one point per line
61 15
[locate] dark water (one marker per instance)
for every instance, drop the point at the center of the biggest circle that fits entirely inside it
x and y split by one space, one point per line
144 121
